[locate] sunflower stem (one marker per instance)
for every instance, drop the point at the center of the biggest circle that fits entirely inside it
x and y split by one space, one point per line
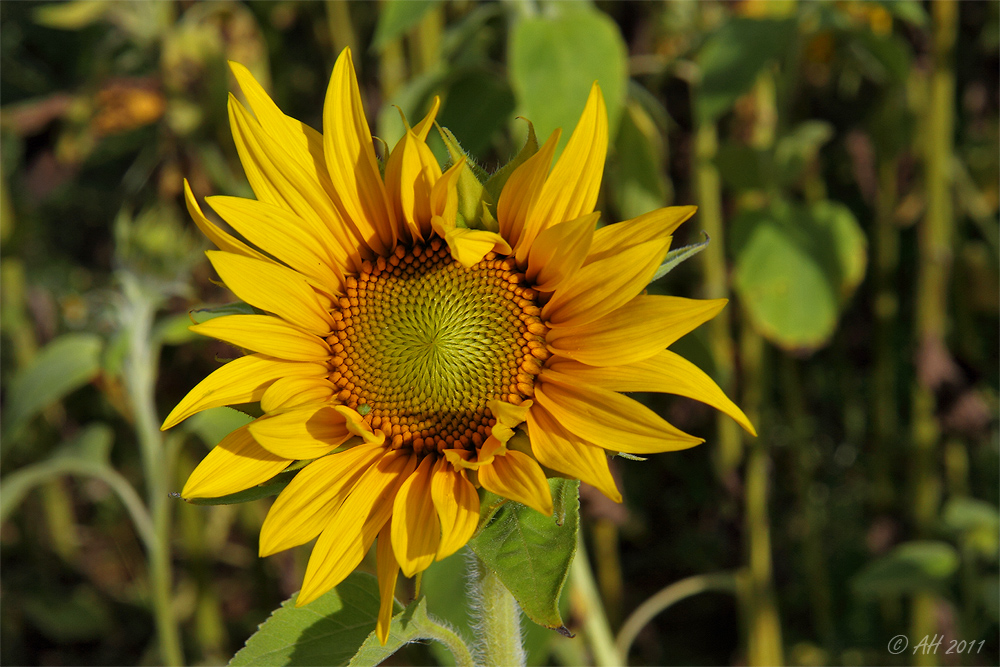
498 630
454 643
595 622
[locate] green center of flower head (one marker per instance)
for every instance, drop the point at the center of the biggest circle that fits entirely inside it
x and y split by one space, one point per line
422 344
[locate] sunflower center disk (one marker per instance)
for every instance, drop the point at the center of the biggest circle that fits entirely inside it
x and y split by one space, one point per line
421 344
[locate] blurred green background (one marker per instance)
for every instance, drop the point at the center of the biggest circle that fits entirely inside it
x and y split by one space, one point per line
844 158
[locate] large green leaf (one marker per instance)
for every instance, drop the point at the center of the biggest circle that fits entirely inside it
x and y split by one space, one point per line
407 626
733 56
327 631
795 267
531 552
555 58
63 366
976 521
910 567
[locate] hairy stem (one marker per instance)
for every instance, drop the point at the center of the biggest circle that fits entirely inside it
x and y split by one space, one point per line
499 619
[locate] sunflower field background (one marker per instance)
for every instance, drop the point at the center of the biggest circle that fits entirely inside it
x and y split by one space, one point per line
844 159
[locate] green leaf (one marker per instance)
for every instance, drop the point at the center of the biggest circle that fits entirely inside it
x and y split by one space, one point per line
977 521
532 553
396 18
555 58
92 443
327 631
72 15
675 257
800 147
910 567
910 11
795 267
207 313
733 56
477 104
407 626
63 366
174 330
638 184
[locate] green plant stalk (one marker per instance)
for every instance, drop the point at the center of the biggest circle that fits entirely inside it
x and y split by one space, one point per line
708 184
934 242
764 645
425 42
665 598
452 642
886 306
498 631
140 367
595 623
338 21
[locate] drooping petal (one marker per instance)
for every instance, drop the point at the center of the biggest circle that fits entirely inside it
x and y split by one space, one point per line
307 432
642 327
516 476
410 175
523 189
416 532
306 505
289 392
559 252
659 224
469 246
235 464
571 189
273 288
350 159
564 452
605 285
242 380
286 236
387 571
351 531
457 505
665 372
607 418
267 335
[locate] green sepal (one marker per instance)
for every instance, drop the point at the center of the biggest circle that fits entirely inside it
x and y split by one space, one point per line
494 186
470 182
674 258
199 315
632 457
272 487
489 222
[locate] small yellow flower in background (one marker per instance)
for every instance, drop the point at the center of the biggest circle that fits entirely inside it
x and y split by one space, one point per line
401 351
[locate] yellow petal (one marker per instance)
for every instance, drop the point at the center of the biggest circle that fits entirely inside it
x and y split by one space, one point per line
658 224
289 392
221 239
273 288
457 505
307 432
268 335
242 380
351 531
351 162
559 252
422 128
387 571
665 372
516 476
235 464
571 189
410 175
523 189
286 236
564 452
642 327
304 508
444 195
416 532
607 418
469 246
605 285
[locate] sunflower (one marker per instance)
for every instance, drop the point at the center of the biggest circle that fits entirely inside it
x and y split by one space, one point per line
399 351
